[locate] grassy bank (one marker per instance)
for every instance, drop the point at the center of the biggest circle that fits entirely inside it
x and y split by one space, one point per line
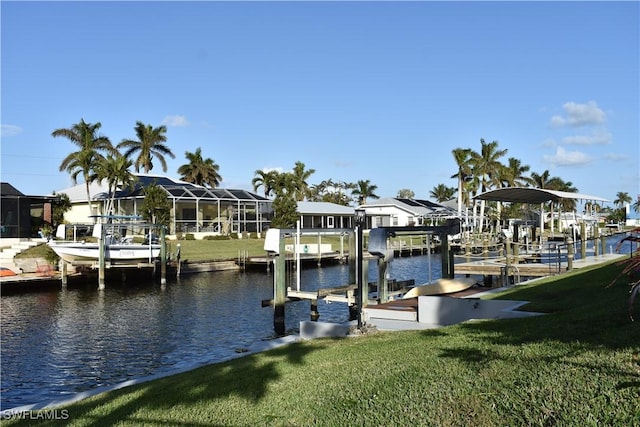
577 365
205 250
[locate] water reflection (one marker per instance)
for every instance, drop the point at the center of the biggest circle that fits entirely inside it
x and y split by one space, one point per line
59 343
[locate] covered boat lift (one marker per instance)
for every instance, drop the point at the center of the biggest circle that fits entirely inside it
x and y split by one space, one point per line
533 195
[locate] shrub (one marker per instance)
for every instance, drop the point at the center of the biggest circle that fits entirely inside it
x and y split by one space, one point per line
189 236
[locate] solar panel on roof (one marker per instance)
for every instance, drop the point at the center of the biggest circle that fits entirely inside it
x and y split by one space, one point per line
409 202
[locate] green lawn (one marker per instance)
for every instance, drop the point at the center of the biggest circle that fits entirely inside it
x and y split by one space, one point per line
579 365
205 250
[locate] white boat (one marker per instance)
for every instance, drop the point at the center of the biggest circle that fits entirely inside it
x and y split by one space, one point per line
117 249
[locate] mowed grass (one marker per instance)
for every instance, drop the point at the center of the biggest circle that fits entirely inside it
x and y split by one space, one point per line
208 250
578 365
216 250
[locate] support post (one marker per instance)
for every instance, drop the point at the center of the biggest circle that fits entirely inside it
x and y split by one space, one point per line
362 283
163 257
583 240
279 290
596 234
101 260
63 273
446 256
353 308
570 253
383 283
315 314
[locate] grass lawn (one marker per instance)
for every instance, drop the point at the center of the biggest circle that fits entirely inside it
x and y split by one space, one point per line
578 365
206 250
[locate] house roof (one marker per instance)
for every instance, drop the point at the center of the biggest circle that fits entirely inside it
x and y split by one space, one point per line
175 188
8 190
532 195
416 207
324 208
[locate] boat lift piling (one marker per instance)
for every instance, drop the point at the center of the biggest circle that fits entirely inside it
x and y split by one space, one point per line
276 252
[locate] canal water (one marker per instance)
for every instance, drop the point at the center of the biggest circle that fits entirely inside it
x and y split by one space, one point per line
61 342
58 343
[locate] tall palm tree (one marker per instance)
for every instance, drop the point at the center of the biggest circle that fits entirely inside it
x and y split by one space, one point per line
622 197
200 171
91 147
300 177
150 143
365 190
513 173
462 157
115 170
266 180
442 193
543 181
485 166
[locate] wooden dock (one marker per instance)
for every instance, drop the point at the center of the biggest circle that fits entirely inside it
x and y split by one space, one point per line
525 268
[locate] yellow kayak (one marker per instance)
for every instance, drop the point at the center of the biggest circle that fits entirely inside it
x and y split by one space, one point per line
440 286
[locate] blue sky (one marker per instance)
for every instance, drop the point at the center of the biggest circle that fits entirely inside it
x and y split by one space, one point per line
355 90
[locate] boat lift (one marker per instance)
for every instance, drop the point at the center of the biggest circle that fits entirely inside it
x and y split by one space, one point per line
357 293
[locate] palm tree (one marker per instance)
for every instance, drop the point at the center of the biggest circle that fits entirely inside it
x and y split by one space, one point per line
266 180
150 143
543 181
115 170
300 177
485 166
200 171
91 146
364 190
622 197
442 193
512 174
462 157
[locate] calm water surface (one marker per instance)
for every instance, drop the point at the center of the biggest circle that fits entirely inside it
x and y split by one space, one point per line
58 343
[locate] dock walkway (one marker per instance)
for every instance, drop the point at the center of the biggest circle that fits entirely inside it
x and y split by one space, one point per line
498 266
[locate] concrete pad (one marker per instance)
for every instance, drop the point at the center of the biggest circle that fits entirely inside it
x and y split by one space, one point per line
310 330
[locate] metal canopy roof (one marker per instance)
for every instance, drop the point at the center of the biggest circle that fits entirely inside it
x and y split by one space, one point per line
533 195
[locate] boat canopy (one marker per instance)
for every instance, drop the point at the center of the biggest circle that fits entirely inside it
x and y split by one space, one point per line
532 195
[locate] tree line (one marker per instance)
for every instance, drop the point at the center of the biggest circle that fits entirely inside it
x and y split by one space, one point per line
97 159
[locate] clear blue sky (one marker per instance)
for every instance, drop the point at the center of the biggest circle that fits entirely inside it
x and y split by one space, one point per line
355 90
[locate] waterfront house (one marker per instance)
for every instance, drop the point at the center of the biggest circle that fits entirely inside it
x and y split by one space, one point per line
195 209
397 212
22 216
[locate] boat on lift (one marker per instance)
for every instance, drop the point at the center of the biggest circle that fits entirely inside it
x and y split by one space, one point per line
119 248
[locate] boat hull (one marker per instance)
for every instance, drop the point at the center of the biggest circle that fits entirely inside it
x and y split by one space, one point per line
75 253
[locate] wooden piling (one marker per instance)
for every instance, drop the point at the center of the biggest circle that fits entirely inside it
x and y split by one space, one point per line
570 253
101 261
163 257
583 240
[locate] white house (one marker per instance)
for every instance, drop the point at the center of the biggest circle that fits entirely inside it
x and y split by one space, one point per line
395 212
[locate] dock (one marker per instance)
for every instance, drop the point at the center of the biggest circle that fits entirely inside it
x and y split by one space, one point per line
499 266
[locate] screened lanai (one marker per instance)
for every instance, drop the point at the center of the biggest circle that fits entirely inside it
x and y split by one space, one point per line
200 210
